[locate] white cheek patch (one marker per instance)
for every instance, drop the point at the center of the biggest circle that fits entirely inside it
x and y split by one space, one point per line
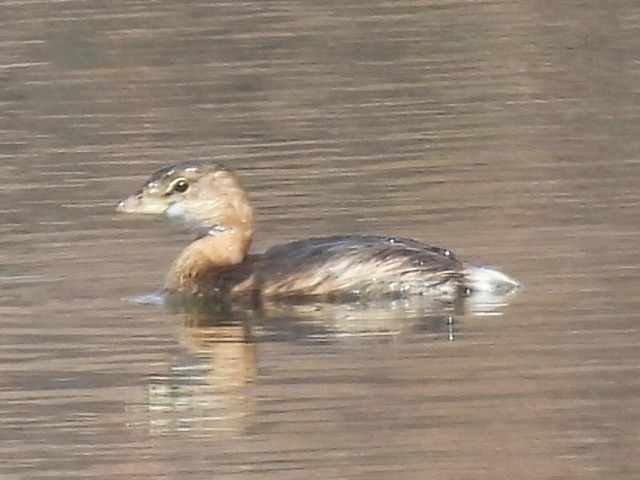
175 211
195 215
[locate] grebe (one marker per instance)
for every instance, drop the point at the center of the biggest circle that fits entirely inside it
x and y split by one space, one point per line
210 199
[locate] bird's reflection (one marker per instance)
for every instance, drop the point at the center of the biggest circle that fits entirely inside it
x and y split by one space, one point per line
206 387
203 389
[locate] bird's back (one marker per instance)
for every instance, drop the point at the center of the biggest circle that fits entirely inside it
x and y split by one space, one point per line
358 266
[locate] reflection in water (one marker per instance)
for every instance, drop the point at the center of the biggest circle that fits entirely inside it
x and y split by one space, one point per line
203 390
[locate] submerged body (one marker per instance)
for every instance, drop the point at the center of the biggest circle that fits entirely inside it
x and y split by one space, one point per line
210 199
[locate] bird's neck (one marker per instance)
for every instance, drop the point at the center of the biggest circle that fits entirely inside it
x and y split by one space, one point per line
224 244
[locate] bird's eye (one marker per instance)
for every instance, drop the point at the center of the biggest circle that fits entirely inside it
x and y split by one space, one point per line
179 186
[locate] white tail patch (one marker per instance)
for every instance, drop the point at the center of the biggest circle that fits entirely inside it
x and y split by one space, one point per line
486 280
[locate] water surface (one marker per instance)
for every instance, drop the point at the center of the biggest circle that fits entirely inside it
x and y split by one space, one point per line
504 131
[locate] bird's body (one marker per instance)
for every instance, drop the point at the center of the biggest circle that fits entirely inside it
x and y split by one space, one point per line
210 199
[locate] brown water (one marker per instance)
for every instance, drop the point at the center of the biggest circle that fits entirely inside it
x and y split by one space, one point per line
507 131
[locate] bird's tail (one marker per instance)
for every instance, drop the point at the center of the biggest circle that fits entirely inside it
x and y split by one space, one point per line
487 280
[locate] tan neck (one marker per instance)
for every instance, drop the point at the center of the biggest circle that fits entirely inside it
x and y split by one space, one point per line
221 209
196 266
